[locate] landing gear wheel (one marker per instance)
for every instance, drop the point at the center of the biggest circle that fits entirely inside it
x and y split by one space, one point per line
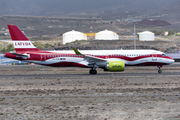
93 71
159 71
90 72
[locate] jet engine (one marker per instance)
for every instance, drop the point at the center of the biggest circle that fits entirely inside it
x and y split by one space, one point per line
115 66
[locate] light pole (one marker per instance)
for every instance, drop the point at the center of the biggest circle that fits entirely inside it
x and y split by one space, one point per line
135 35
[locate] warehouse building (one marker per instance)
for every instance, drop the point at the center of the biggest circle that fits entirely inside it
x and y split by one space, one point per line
71 36
146 36
106 35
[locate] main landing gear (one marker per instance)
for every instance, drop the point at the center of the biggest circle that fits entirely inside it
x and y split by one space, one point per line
159 71
93 71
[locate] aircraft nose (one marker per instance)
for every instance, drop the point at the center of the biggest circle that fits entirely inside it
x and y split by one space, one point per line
171 61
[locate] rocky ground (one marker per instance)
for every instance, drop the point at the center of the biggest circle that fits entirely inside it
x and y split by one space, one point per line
88 97
164 46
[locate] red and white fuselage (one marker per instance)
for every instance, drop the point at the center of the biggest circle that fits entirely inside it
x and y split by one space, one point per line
26 51
69 58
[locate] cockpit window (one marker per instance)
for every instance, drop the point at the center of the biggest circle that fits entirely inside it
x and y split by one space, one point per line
163 55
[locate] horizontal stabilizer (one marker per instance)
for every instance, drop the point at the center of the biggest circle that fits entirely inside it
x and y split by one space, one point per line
19 55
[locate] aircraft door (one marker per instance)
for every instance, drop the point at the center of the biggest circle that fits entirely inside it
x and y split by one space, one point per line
154 56
43 57
107 55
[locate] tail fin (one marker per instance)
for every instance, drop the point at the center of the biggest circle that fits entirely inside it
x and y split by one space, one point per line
20 41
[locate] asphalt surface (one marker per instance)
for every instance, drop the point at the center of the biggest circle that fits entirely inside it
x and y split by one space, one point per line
60 93
105 74
88 75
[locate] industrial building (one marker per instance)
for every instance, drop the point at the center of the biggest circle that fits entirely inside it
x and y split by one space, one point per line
106 35
71 36
146 36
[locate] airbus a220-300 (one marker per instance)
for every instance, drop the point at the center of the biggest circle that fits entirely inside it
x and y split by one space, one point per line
109 60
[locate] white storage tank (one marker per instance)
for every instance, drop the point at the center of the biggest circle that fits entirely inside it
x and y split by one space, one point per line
106 35
146 36
73 35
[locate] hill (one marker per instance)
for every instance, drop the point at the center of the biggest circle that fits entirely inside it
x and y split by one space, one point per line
161 23
64 7
173 8
164 46
171 12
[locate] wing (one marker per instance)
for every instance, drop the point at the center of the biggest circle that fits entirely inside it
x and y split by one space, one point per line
91 59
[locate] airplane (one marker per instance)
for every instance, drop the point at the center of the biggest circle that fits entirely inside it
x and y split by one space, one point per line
109 60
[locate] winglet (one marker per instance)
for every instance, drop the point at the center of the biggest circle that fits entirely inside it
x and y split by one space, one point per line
76 51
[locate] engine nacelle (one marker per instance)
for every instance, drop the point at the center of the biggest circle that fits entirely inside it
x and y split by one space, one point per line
115 66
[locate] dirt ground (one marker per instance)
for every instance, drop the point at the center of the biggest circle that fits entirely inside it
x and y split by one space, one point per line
88 97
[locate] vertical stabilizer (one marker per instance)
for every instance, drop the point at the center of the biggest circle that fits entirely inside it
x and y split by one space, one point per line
20 41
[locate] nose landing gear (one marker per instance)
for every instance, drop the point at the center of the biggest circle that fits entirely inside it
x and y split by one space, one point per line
159 71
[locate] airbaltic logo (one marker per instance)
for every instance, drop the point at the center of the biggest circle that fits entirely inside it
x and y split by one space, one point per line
117 66
23 44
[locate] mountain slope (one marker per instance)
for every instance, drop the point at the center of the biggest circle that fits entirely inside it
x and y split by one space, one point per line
62 7
173 8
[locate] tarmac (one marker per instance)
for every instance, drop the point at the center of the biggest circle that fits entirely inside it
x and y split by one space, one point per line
101 74
40 92
94 76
